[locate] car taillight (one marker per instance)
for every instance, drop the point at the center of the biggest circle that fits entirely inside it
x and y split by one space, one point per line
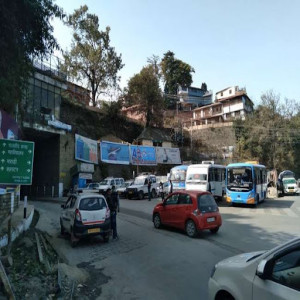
197 212
107 214
77 215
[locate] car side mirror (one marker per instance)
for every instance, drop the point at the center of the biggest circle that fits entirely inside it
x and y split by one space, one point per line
63 206
261 269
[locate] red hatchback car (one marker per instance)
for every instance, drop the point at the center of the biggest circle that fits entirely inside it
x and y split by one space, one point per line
192 211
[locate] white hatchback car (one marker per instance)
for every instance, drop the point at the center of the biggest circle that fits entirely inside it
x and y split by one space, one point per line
85 215
264 275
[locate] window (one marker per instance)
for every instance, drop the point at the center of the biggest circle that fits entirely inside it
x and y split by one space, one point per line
172 200
184 199
117 182
157 144
92 204
229 91
286 270
207 203
222 94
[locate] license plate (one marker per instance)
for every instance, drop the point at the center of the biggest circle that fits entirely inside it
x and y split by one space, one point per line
211 219
129 192
93 230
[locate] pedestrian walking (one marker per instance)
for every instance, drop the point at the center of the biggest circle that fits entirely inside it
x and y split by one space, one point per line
149 189
161 191
112 202
171 187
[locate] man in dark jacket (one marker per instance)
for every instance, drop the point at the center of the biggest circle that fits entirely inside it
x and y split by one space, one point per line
112 199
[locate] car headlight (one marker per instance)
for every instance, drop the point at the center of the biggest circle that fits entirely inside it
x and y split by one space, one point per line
251 195
213 271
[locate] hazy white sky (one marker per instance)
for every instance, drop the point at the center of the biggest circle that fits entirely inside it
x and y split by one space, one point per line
249 43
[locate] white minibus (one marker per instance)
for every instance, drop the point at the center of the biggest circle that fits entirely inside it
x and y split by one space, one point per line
206 177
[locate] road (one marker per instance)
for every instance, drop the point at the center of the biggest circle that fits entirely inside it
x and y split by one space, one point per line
146 263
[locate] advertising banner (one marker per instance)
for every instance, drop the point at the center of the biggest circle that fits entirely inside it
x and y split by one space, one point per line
142 155
85 149
114 153
168 156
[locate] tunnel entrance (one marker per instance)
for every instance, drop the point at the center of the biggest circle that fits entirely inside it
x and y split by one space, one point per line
45 178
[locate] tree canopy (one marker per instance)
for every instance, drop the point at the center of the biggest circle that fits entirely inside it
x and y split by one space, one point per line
270 135
25 33
143 89
175 72
91 60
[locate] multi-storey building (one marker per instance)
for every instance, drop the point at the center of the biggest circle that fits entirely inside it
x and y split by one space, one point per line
230 103
191 97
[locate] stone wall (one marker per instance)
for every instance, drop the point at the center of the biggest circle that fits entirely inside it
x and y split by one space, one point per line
5 205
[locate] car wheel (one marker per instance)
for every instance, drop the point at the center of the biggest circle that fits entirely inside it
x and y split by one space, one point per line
214 230
106 237
156 221
74 240
190 228
141 195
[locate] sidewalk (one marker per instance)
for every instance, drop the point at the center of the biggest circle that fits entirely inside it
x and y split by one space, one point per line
18 223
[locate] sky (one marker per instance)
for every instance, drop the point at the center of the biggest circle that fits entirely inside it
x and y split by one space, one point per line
249 43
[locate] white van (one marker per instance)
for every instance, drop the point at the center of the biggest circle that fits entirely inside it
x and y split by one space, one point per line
206 177
108 183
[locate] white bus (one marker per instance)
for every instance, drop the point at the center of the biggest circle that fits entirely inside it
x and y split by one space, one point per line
206 177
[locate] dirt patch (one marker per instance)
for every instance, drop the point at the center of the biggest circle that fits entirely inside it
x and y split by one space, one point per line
52 278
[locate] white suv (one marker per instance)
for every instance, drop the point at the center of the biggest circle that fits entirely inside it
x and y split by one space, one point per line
85 215
266 275
139 187
108 183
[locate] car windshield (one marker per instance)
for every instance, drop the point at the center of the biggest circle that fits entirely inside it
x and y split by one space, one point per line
104 182
239 178
92 203
207 203
196 177
92 186
126 184
289 180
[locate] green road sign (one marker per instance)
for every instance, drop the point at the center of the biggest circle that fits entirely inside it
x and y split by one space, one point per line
16 162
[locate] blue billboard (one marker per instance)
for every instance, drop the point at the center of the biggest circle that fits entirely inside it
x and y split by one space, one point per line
114 153
86 149
143 155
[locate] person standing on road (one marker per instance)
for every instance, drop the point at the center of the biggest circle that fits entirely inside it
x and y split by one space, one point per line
161 191
149 189
112 203
171 187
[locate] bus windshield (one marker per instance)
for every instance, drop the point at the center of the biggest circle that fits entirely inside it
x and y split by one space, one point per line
178 175
239 178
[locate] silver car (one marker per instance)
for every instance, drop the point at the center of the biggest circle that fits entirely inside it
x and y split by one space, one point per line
266 275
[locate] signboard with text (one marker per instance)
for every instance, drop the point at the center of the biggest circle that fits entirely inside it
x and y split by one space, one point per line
16 162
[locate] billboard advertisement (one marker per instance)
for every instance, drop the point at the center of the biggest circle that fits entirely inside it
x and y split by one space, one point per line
85 149
142 155
168 156
114 153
